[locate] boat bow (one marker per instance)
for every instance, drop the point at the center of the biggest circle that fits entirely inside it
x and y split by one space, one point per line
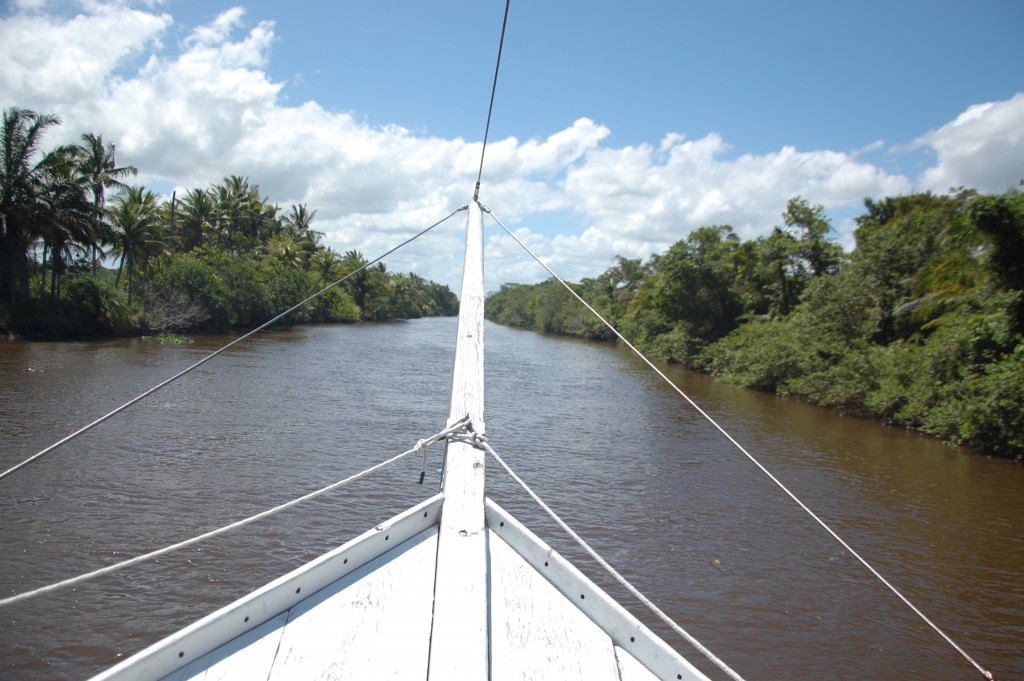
453 588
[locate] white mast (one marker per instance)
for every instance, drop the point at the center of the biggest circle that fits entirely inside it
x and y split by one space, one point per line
459 642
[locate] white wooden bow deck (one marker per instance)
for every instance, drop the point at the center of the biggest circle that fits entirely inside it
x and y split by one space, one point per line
454 588
357 614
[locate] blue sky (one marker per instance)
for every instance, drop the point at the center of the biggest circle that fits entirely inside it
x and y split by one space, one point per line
618 127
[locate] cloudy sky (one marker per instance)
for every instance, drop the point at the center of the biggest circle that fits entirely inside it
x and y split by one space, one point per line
618 126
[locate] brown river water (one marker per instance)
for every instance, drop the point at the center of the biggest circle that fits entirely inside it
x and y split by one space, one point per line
628 463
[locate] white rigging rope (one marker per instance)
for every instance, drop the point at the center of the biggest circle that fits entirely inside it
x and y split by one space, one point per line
204 360
700 647
987 674
490 109
420 446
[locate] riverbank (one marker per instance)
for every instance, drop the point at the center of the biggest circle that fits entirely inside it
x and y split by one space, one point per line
67 331
920 326
206 261
1003 414
207 291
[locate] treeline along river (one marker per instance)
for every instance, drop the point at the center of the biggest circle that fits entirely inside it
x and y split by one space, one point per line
626 461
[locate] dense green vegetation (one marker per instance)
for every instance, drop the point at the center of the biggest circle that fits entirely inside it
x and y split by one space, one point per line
212 259
921 325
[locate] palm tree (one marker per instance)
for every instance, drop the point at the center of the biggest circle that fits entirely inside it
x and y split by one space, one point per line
138 231
300 218
359 284
65 215
244 218
327 265
98 165
629 273
288 249
379 289
20 187
263 222
297 222
196 219
228 197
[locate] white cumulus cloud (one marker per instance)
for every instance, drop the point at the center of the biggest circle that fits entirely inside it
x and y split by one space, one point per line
53 62
190 111
982 149
641 196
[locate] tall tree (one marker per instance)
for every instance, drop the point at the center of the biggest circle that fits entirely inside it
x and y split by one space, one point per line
244 218
300 218
139 236
97 162
359 283
694 286
767 280
288 248
299 222
627 273
229 197
20 183
1001 220
195 220
897 239
327 266
815 251
65 215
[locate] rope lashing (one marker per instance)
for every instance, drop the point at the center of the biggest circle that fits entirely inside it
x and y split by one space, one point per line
469 437
454 428
963 653
423 446
607 566
172 379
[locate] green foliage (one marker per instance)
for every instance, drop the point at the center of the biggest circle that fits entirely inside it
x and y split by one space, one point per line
21 192
899 241
172 339
250 299
936 383
815 254
921 325
189 294
675 345
335 305
694 287
989 415
101 308
1001 220
221 256
510 305
548 308
763 354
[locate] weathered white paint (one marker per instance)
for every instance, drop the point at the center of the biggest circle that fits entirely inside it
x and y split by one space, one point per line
344 631
630 668
625 630
536 632
248 656
467 395
458 644
376 626
234 620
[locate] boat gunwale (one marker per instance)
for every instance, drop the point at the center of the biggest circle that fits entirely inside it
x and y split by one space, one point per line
269 601
624 629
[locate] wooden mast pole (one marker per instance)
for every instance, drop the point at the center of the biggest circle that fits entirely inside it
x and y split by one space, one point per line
459 643
468 375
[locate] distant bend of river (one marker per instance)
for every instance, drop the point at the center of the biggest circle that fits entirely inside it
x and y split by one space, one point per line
625 460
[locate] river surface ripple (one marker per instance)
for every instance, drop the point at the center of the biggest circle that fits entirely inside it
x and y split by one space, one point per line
627 462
